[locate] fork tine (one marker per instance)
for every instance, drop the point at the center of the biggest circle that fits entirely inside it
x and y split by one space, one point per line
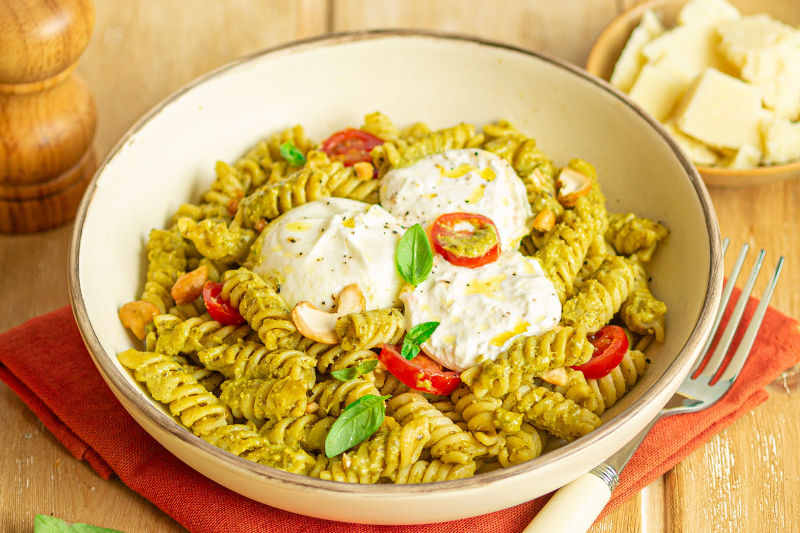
737 362
727 335
726 296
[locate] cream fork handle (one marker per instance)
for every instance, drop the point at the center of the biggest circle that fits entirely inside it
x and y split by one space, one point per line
573 508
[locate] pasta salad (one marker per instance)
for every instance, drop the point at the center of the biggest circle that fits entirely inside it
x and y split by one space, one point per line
395 305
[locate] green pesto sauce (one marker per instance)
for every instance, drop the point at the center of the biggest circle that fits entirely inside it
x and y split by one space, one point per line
481 241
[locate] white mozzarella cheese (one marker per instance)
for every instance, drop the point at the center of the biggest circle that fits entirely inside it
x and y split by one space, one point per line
481 310
467 180
315 250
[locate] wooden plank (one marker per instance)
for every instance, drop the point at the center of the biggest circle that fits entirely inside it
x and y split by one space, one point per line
140 53
563 29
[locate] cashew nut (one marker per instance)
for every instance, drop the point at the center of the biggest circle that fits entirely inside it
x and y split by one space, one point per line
190 285
136 315
557 376
571 186
320 326
544 221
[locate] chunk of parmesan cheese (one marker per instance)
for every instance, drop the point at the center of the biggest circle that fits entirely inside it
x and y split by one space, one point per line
696 151
748 156
745 39
693 44
631 60
707 12
721 111
657 91
781 140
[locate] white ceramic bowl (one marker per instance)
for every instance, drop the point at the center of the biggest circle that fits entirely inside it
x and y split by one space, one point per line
168 157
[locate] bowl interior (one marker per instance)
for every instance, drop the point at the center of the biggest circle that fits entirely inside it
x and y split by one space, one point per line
609 45
168 158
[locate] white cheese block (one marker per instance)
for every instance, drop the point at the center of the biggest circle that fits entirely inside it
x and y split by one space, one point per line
631 60
721 111
781 140
693 44
707 12
657 91
748 156
696 151
677 66
744 39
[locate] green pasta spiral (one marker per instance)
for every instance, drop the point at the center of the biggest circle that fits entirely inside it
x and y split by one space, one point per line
365 330
333 396
552 412
332 357
565 247
630 234
380 126
229 187
428 472
449 443
261 306
175 336
641 311
599 395
601 296
206 377
168 383
529 355
308 431
403 152
262 399
166 262
216 241
242 441
254 360
383 455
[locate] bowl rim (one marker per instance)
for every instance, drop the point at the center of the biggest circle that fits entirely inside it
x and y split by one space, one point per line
594 66
145 409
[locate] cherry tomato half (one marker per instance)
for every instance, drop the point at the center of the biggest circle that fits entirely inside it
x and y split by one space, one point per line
421 373
220 309
350 146
462 246
610 345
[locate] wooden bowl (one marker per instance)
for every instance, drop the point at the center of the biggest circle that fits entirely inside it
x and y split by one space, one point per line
609 45
168 157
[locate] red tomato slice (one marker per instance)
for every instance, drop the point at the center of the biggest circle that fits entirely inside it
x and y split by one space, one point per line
350 146
610 345
220 309
464 247
421 373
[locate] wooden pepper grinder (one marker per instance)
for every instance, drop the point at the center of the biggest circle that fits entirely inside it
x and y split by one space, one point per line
47 114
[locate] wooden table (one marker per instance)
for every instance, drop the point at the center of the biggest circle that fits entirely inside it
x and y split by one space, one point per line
745 479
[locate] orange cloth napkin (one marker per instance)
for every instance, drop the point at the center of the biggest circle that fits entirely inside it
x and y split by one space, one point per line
45 362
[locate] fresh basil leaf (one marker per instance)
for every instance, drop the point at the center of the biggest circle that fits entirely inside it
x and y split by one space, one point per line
345 374
415 337
356 423
50 524
414 258
421 332
365 367
409 350
292 155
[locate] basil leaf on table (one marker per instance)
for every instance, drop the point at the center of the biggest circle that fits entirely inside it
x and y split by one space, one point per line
292 155
414 258
415 337
364 367
356 423
50 524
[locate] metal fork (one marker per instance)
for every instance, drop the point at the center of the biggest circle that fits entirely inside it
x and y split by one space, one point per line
593 490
